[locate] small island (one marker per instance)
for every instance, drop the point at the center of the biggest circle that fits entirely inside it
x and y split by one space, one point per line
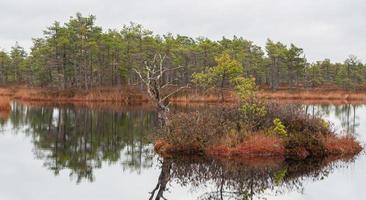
252 128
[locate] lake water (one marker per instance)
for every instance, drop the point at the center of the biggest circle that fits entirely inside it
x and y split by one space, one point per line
69 152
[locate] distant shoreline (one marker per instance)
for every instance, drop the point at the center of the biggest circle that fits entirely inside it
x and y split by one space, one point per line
133 95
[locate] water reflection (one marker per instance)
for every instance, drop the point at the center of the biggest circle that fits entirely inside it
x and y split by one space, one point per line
345 113
81 139
249 179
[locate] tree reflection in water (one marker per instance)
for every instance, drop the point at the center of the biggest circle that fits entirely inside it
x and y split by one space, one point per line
241 179
82 139
345 113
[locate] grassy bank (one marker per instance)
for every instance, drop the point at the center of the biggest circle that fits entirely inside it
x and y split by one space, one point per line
133 95
314 95
124 95
267 147
5 104
320 95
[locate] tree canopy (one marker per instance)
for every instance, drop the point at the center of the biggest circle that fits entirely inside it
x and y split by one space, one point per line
80 54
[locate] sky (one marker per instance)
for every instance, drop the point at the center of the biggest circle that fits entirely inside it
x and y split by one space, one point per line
331 29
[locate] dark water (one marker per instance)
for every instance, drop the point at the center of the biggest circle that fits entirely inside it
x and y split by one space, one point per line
69 152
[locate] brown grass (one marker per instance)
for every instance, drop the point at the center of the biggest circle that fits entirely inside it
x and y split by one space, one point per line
167 150
106 106
209 96
342 145
320 95
253 146
133 95
315 95
6 92
125 95
260 146
4 115
5 104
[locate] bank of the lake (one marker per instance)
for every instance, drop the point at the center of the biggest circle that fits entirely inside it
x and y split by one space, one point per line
134 95
124 95
300 95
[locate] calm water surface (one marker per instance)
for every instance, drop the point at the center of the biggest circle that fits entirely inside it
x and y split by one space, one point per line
69 152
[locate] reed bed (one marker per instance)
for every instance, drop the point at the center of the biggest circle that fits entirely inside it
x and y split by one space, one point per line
5 104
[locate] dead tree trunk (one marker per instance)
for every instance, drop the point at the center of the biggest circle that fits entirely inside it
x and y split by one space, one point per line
156 87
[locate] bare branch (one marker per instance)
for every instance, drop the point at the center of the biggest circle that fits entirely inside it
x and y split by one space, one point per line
152 76
166 85
172 69
174 92
139 74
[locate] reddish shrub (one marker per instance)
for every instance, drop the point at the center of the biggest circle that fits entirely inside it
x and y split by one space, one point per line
260 145
345 145
167 150
218 151
257 145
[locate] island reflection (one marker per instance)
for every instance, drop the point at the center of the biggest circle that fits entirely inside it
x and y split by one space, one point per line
242 179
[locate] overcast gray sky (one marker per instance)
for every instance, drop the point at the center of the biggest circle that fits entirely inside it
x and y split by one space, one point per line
324 28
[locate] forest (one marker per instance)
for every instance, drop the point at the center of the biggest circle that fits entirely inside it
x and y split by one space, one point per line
81 55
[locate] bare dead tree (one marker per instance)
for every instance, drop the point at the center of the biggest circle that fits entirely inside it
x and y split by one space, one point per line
152 76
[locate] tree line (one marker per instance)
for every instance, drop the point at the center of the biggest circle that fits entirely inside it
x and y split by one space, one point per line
79 54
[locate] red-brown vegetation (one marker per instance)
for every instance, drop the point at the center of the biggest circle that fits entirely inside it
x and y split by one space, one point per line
5 104
342 145
257 145
313 95
227 132
263 146
132 95
210 96
125 95
167 150
106 106
5 108
319 95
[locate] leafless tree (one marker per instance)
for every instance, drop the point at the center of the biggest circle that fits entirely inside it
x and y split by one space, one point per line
158 88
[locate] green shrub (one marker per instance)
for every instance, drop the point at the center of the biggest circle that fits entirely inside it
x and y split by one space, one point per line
279 128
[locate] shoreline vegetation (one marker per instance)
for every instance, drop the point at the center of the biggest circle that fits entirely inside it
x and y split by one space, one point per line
122 95
264 148
133 95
